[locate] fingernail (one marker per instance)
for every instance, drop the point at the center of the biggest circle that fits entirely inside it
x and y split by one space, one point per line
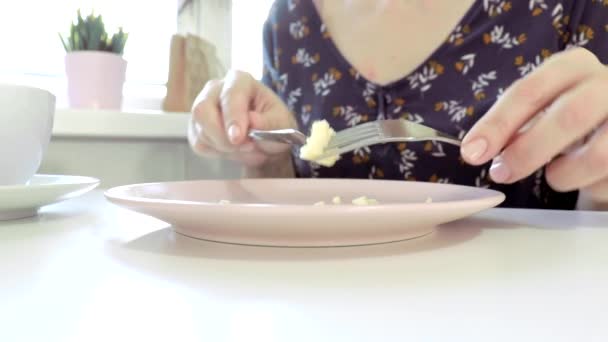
499 171
234 133
474 150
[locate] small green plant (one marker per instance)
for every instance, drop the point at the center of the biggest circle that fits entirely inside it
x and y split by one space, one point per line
90 34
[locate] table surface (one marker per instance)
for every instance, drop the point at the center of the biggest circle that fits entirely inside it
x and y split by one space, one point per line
86 270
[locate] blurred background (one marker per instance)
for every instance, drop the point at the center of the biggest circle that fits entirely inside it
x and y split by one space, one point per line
173 48
33 54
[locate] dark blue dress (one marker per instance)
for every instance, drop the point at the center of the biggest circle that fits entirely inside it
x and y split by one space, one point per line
495 43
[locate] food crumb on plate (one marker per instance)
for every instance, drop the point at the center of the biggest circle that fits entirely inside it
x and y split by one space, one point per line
319 204
364 200
337 200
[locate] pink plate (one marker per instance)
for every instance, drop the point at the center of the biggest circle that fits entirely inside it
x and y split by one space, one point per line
280 212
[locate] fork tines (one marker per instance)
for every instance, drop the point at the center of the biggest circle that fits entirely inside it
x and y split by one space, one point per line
354 134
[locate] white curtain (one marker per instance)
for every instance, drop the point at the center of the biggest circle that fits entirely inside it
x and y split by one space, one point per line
234 26
248 20
212 20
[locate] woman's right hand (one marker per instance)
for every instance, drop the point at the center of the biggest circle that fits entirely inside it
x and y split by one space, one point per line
227 109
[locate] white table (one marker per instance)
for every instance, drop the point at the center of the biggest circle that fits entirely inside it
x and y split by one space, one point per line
86 270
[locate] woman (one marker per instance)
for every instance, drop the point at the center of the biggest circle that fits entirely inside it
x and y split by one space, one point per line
522 82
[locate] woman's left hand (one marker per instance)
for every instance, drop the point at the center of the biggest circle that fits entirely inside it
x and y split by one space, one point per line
541 120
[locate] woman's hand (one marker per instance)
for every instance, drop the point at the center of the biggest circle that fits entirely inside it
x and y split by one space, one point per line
556 116
227 109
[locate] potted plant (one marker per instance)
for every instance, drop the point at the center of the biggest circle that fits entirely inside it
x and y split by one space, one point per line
94 65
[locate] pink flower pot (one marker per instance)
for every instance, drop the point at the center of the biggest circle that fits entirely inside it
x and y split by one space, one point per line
95 79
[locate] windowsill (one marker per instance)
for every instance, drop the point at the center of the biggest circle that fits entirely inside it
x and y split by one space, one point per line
131 124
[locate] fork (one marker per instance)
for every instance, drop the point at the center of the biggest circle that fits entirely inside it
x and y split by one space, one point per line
367 134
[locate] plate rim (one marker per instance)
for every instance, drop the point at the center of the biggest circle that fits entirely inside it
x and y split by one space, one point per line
84 180
114 194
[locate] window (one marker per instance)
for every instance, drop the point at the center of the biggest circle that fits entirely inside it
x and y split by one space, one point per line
32 52
247 23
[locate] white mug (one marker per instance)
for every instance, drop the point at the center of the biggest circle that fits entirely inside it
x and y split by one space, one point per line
26 123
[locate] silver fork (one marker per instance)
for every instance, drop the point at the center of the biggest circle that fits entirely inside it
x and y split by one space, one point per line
367 134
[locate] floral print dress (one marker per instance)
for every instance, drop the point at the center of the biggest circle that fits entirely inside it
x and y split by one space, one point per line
495 43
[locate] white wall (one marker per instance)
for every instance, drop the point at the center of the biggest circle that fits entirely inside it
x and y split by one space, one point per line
128 147
128 161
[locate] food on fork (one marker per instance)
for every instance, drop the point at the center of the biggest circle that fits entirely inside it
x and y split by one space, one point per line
320 136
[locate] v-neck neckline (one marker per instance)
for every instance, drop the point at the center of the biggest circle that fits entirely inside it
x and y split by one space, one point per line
317 21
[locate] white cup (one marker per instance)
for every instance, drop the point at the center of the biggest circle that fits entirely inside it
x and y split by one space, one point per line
26 123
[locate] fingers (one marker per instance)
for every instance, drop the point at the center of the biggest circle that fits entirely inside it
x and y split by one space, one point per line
226 110
200 146
207 124
586 167
248 154
194 138
524 100
570 118
236 100
275 118
598 193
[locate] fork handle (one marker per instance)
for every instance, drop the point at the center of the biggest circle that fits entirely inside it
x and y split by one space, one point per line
447 139
285 136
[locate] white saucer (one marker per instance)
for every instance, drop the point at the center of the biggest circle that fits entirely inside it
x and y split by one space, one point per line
20 201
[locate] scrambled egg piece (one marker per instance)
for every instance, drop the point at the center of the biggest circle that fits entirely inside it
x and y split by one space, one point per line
320 135
363 200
